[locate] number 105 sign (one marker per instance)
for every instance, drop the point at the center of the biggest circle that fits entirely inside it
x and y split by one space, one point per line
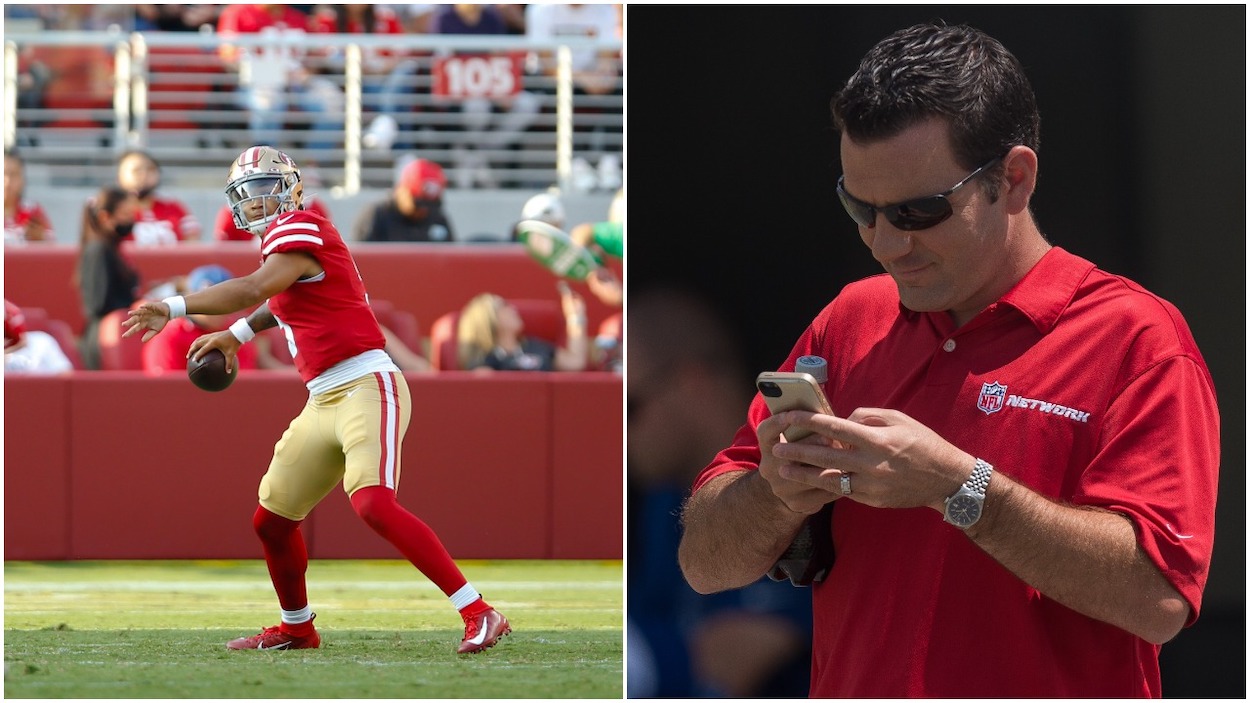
478 75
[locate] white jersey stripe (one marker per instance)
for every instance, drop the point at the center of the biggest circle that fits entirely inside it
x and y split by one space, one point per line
294 226
274 243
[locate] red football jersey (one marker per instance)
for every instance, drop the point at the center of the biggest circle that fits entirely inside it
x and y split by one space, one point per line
385 21
168 222
327 316
15 227
251 19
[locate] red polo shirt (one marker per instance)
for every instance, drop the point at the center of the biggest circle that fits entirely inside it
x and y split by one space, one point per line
1076 383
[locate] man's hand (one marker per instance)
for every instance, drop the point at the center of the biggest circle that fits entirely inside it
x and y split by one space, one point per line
151 317
605 286
803 487
894 461
223 340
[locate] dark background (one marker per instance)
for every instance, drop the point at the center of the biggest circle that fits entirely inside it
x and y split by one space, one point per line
732 162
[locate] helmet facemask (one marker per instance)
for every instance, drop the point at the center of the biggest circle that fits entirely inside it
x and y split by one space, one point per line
263 184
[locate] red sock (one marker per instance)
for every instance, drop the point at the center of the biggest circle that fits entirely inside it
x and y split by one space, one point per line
475 608
285 555
413 538
302 629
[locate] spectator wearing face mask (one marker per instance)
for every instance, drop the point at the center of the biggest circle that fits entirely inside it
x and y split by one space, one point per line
413 212
161 220
106 281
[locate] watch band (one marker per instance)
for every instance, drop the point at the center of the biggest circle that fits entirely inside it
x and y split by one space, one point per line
980 478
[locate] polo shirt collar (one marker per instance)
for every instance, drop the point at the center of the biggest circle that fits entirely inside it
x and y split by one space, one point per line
1044 292
1048 288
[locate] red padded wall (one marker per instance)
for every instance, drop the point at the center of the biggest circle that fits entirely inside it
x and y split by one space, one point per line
36 468
117 465
162 469
587 466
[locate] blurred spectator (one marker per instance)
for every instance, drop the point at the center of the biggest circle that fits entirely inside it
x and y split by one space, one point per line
226 230
416 17
594 73
174 18
94 17
161 220
24 220
167 352
490 335
386 74
413 212
513 17
106 281
604 239
272 76
685 389
33 77
498 122
30 351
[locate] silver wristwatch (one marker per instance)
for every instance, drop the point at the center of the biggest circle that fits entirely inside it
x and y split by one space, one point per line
964 508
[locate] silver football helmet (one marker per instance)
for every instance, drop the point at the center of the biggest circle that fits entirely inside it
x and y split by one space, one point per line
263 183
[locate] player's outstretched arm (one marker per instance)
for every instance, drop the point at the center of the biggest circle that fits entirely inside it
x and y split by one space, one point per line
274 276
150 318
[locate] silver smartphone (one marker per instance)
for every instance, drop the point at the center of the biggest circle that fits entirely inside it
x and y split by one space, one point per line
789 390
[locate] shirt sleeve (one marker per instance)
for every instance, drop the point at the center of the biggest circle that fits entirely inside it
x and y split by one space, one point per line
1159 465
610 236
744 453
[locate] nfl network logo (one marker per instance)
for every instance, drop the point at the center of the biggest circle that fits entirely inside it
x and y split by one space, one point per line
992 396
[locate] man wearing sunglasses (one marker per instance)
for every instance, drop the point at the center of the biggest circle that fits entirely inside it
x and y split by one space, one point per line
1024 449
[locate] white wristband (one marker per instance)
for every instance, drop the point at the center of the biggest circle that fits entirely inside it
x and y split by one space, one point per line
242 331
177 306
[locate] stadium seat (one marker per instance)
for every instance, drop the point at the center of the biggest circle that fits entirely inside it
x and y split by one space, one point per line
278 346
118 353
543 319
37 319
81 83
401 323
180 84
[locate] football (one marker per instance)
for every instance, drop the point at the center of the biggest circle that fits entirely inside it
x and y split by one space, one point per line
209 373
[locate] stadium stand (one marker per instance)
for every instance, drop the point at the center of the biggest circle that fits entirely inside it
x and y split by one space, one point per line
169 93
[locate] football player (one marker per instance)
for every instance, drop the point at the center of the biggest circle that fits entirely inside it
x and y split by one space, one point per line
310 287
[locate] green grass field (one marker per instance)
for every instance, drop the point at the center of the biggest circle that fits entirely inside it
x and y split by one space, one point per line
157 629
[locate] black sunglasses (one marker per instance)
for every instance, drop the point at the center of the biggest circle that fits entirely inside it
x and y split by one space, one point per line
909 216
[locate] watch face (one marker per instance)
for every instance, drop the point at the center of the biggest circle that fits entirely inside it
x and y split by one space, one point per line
963 510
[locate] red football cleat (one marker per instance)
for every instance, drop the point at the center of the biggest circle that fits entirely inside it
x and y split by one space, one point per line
275 638
483 631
